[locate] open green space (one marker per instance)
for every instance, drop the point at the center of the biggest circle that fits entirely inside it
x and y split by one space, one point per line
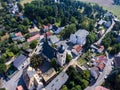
107 5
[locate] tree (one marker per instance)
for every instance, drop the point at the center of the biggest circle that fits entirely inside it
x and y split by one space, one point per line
20 7
68 58
3 68
84 83
64 87
33 44
85 74
68 31
35 61
77 87
26 21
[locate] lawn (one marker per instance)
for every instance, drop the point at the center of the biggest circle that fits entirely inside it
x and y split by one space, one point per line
25 1
107 5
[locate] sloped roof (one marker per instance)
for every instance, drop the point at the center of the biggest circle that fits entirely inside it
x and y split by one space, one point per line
19 60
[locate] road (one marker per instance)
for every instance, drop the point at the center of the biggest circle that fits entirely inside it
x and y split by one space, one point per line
108 30
72 62
106 71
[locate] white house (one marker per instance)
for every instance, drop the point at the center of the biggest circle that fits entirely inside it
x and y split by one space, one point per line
61 55
21 62
32 79
79 37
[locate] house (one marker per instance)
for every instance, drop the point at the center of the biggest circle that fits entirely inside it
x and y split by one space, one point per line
117 60
94 71
101 22
100 62
58 82
101 88
21 62
32 79
107 24
17 36
49 75
76 49
98 48
19 88
47 34
20 16
33 30
35 37
79 37
45 28
61 55
56 29
53 39
101 32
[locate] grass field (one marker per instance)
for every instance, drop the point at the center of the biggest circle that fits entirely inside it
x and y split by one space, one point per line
25 1
107 5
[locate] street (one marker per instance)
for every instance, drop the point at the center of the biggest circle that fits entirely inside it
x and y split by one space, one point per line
108 30
108 67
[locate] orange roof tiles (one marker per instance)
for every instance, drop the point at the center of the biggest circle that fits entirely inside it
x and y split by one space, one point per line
101 61
19 88
77 48
101 88
33 38
48 33
18 34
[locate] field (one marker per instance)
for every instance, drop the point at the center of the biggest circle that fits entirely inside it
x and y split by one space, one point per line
25 1
107 5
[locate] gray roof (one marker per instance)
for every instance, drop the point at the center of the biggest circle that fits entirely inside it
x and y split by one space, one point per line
82 33
57 83
54 39
19 60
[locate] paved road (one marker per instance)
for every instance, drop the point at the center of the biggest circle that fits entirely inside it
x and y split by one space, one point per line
108 30
106 71
72 62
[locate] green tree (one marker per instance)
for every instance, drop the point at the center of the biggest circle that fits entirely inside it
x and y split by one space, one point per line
68 31
33 44
85 74
68 58
26 21
35 61
3 68
64 87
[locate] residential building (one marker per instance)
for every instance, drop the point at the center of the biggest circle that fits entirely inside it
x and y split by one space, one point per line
32 79
53 39
61 55
33 30
19 88
94 72
117 61
77 49
101 88
17 36
98 48
21 62
100 62
35 37
56 29
49 75
79 37
58 82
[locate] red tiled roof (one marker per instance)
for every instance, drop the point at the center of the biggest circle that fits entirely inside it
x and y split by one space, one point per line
18 34
101 61
48 33
101 88
45 27
77 48
33 38
19 88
